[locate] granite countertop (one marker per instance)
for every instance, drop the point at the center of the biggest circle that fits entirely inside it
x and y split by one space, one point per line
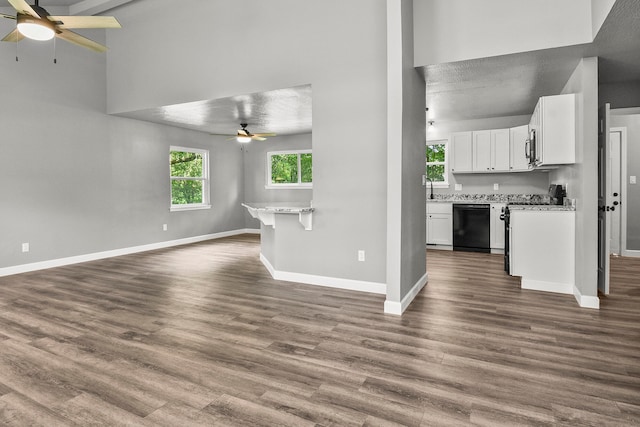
490 198
548 208
280 207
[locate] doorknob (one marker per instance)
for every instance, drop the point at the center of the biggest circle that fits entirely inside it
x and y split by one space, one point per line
615 194
615 203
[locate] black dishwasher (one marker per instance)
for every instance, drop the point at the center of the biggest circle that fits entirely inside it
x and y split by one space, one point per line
471 227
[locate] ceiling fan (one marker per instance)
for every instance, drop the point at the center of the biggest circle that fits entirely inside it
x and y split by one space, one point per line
243 135
36 23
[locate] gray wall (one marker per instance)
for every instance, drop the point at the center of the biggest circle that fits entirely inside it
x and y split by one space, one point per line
413 149
76 181
582 177
482 183
255 165
620 95
632 123
334 45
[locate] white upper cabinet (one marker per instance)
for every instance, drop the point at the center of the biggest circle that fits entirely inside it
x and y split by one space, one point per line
482 151
488 150
554 123
518 161
461 152
500 149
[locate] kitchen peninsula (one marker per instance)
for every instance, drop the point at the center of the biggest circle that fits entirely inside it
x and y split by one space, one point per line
281 224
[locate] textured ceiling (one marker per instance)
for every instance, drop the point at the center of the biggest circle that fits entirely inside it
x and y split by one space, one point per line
283 111
510 85
500 86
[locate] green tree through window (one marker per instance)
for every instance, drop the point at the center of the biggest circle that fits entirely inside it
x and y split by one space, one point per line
189 176
290 169
436 163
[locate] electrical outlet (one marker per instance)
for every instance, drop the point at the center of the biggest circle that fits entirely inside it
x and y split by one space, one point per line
632 179
458 187
496 186
164 227
25 247
361 255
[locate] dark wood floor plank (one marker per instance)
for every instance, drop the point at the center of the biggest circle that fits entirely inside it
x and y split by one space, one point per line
201 335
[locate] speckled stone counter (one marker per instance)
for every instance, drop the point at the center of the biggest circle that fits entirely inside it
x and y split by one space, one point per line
490 198
266 212
548 208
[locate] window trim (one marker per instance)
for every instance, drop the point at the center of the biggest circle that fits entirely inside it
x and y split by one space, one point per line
206 197
445 183
291 186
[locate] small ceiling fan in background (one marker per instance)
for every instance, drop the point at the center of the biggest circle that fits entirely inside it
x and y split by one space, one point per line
36 23
243 135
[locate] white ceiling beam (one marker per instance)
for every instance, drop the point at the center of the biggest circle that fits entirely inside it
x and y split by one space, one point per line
95 7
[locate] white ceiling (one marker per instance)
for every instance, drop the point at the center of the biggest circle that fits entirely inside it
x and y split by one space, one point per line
282 111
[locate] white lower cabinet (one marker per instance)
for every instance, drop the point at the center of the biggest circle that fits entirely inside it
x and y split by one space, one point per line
440 223
497 226
542 249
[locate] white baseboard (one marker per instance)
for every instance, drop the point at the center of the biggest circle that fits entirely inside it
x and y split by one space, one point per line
331 282
586 301
42 265
539 285
440 247
630 253
397 308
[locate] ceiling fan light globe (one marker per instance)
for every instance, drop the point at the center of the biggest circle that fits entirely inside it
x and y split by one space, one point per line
243 139
35 29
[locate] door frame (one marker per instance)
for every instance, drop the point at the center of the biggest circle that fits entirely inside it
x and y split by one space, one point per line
623 191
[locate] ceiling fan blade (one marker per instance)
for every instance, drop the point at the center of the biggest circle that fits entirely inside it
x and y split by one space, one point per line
23 7
7 16
264 134
13 36
258 138
85 21
79 40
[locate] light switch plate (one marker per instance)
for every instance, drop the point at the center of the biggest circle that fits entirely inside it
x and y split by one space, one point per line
496 186
632 179
458 187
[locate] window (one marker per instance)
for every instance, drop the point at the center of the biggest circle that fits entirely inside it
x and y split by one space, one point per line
189 169
436 167
289 169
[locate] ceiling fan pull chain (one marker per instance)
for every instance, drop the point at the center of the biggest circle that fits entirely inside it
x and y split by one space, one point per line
17 43
55 60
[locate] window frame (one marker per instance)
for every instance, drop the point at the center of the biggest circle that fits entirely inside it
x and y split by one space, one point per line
445 183
206 185
299 185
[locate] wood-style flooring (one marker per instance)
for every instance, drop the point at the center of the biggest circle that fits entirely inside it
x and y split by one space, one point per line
201 335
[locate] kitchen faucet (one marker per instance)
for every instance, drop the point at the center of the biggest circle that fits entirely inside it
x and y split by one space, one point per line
431 183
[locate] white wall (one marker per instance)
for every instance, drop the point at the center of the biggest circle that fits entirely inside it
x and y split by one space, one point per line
336 46
456 30
582 177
